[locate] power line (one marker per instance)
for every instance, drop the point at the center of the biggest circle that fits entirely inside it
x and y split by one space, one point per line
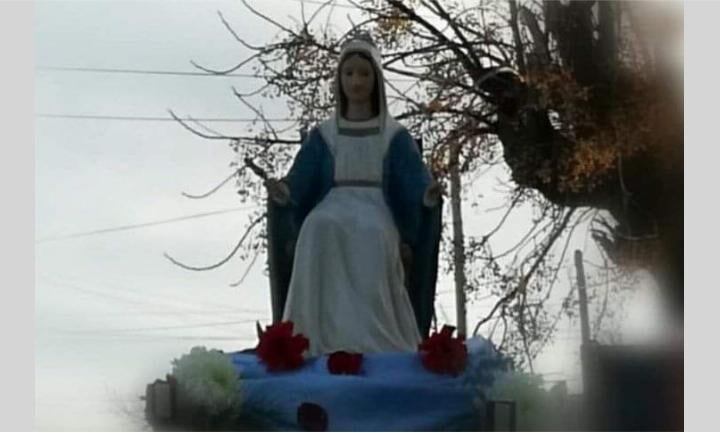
350 6
171 73
155 119
334 4
140 225
105 337
175 307
121 296
161 328
143 72
129 313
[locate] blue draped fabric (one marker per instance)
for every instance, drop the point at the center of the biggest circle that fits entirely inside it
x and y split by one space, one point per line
393 393
405 179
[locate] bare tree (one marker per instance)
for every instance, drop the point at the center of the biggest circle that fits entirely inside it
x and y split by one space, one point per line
549 90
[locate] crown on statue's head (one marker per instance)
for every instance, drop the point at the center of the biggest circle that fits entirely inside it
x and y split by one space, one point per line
361 35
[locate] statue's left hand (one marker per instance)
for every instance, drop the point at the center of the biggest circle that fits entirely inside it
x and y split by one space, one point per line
432 194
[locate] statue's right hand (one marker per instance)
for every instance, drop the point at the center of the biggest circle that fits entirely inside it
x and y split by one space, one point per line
278 191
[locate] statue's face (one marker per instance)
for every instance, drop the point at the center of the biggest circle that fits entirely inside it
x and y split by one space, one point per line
358 79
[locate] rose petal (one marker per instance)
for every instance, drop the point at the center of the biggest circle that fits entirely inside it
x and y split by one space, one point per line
312 417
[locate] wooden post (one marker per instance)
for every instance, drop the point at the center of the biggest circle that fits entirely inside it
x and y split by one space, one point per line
588 352
582 295
458 240
500 415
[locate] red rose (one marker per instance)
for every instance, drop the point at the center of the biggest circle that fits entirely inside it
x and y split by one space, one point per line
279 349
342 362
312 417
442 353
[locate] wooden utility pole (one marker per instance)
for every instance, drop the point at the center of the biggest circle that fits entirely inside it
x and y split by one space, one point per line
458 239
582 295
588 354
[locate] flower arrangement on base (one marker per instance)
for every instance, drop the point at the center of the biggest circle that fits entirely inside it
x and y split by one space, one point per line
442 353
208 379
342 362
279 349
204 391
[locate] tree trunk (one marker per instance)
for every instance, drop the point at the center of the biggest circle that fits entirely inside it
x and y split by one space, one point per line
519 51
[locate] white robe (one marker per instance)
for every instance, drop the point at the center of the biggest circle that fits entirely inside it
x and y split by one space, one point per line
347 288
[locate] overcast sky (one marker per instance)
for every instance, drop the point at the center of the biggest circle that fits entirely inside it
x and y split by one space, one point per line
111 311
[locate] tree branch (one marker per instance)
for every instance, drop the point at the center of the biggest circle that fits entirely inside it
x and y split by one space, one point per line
522 285
227 258
216 188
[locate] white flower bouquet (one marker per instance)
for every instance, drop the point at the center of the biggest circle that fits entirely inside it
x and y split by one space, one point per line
208 379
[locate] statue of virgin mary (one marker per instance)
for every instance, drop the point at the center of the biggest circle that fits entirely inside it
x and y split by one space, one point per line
360 196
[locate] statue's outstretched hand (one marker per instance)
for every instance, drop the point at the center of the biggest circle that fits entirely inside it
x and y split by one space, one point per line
432 194
278 191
